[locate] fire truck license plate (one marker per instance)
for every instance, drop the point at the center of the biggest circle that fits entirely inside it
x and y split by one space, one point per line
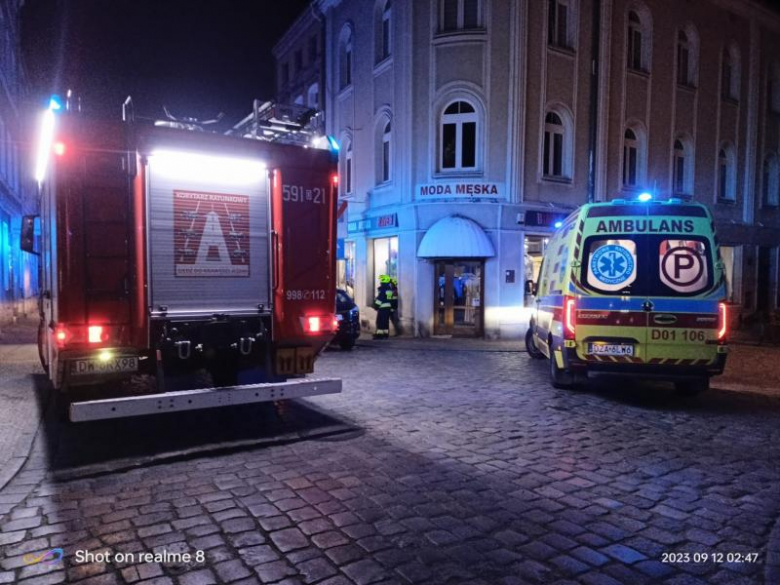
610 349
96 366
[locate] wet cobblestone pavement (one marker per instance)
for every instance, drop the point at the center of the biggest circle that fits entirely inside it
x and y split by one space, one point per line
435 465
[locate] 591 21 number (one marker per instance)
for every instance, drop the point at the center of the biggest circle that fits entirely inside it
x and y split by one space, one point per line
301 194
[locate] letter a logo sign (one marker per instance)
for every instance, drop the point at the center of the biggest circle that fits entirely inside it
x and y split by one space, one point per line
213 249
211 234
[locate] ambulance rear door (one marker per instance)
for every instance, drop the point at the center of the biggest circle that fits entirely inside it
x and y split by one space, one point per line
681 280
612 315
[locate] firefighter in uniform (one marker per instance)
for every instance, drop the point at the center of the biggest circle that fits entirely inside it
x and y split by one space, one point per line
383 305
394 307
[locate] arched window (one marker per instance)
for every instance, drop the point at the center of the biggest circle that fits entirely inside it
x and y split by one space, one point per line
726 173
687 56
460 15
634 157
383 30
313 97
682 167
384 151
770 180
560 21
730 76
683 58
345 58
634 42
557 145
458 137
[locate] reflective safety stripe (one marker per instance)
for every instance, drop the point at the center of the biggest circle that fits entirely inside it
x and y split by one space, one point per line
385 305
653 361
660 304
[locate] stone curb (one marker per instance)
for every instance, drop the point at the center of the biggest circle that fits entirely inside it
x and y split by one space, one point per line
21 454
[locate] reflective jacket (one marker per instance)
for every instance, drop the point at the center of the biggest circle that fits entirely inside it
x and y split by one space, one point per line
384 297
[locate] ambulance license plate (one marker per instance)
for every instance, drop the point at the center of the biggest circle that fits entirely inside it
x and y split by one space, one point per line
610 349
96 366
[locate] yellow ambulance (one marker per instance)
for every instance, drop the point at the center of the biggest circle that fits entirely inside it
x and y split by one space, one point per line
635 288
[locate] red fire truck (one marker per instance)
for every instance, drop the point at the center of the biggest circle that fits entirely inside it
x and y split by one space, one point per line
175 256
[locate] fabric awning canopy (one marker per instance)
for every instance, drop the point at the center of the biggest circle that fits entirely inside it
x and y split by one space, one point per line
455 237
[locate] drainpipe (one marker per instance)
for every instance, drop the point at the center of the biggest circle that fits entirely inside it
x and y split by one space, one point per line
594 98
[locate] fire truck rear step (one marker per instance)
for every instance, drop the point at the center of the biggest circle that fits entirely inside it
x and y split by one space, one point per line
201 398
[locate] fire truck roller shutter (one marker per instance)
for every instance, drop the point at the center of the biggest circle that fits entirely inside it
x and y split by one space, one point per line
208 226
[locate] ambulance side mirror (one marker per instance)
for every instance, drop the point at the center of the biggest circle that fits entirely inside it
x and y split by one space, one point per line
530 287
27 243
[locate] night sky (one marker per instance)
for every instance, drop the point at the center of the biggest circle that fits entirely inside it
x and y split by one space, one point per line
198 57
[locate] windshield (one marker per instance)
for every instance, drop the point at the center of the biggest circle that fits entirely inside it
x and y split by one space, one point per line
633 265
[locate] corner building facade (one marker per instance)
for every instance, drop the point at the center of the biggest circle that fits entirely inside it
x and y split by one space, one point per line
18 270
468 128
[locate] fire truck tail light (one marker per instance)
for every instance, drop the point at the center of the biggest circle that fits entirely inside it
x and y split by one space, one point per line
335 179
318 324
723 322
569 317
95 334
314 324
61 335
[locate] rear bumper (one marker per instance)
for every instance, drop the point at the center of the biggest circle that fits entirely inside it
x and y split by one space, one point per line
348 330
201 398
670 370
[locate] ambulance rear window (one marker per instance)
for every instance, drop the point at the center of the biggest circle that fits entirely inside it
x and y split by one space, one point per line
612 265
683 266
647 265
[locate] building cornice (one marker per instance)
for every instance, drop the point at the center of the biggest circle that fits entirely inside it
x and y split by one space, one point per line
752 9
302 24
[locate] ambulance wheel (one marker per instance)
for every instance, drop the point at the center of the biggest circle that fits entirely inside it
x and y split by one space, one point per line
560 378
692 387
530 346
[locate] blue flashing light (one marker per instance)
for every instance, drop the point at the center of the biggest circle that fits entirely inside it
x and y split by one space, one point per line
55 103
557 224
334 145
645 197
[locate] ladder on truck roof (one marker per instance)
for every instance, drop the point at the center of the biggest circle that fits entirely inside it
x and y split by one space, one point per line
282 123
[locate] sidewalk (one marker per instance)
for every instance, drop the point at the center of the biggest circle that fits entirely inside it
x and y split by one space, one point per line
19 402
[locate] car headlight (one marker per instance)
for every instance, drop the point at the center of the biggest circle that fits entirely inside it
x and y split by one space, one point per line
339 317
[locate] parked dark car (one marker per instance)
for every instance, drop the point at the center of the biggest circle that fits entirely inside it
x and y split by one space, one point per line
348 316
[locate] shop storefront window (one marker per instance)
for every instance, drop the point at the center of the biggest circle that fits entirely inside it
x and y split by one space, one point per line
385 258
5 254
534 251
349 268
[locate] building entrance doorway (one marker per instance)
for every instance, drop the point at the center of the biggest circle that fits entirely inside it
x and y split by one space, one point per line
459 291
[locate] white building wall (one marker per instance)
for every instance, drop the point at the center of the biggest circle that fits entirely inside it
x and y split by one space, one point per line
513 76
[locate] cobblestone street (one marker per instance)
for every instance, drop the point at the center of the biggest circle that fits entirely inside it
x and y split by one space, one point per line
438 463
